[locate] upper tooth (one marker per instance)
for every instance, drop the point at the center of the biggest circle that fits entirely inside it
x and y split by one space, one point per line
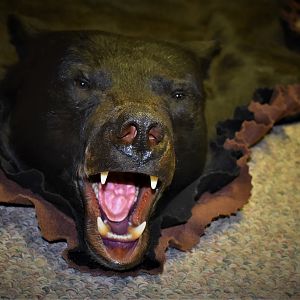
96 189
136 194
153 180
136 232
102 228
103 177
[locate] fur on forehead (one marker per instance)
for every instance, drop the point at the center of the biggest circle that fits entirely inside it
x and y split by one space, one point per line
121 50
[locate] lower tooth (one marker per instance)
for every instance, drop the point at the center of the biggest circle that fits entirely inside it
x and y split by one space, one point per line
103 229
125 237
136 232
133 232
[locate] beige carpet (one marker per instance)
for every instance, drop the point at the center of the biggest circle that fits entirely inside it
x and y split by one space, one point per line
255 254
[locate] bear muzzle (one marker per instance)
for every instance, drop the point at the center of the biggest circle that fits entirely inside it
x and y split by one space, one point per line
128 164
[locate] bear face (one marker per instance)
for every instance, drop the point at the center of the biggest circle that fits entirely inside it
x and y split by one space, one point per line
116 125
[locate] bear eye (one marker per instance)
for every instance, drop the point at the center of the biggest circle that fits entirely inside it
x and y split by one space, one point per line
178 95
82 83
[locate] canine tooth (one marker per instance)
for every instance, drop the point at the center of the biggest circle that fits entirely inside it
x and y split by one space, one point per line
153 180
103 177
136 232
102 228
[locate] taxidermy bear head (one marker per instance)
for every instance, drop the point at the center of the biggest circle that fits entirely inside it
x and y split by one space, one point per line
115 124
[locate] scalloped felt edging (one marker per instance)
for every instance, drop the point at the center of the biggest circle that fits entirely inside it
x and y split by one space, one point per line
284 102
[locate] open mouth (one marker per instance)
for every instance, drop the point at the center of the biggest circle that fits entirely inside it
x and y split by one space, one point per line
119 205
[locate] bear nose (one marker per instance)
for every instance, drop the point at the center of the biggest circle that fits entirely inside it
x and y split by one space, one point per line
150 133
128 133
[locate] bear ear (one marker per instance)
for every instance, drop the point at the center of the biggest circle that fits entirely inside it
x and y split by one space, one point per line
204 51
21 31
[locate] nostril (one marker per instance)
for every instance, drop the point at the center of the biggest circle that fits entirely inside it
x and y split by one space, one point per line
128 133
155 135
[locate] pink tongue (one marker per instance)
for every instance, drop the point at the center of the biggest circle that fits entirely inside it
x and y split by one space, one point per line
116 199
